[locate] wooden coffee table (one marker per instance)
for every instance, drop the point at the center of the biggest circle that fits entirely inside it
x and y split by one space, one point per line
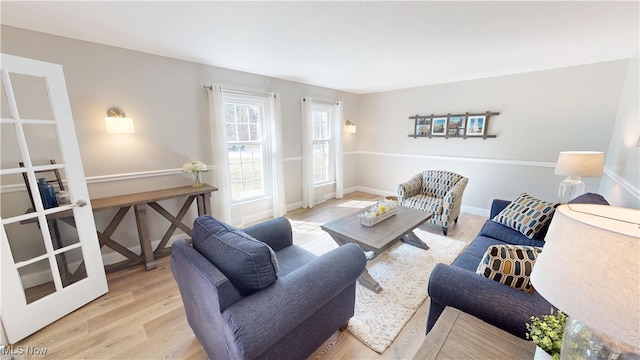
379 237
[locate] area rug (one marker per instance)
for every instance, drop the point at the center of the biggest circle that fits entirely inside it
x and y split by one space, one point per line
403 272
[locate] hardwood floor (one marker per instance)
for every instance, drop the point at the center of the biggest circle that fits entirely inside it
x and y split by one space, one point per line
142 315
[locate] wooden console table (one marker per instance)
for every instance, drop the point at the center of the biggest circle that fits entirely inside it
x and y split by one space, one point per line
458 335
140 201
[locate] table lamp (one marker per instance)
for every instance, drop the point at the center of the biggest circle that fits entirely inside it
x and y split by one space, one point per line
590 269
574 165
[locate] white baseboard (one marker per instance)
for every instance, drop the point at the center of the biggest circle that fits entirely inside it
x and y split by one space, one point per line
375 191
475 211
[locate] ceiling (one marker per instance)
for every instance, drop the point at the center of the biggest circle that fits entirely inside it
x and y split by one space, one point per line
358 46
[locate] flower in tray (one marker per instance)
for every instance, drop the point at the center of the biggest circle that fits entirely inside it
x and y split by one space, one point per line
378 209
194 167
383 208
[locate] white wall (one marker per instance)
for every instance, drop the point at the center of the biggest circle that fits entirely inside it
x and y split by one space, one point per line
167 99
622 166
541 114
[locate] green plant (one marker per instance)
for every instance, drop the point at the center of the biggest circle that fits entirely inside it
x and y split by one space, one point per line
547 332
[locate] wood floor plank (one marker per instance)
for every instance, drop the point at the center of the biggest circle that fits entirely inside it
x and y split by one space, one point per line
142 316
166 334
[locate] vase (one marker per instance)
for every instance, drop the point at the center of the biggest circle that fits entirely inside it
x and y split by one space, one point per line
197 182
541 354
584 342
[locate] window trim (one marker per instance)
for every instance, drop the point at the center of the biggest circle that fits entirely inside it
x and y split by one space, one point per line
330 110
262 101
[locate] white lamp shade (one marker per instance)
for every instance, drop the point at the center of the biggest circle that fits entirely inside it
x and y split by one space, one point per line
119 125
580 163
590 268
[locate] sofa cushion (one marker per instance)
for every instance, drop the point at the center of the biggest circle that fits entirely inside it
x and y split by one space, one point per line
249 264
590 198
510 265
510 236
473 253
527 214
425 202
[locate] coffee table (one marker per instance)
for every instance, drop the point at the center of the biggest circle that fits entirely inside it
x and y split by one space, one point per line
379 237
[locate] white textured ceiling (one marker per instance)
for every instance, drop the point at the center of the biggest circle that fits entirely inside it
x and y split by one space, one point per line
362 46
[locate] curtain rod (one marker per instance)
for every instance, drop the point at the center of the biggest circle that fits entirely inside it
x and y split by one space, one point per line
238 91
323 102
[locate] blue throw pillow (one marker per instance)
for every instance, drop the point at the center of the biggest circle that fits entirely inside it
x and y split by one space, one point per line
249 264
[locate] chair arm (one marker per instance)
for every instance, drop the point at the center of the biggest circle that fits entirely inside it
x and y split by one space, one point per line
497 304
259 320
453 198
410 188
204 292
275 232
497 205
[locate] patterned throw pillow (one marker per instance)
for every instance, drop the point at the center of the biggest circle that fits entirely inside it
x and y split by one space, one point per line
510 265
527 215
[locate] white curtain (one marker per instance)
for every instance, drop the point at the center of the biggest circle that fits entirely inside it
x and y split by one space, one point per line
279 201
221 207
337 126
307 153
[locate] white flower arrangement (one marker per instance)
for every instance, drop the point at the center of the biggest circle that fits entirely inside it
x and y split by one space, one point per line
194 167
379 209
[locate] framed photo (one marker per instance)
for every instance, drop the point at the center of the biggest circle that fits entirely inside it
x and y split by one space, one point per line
423 126
476 125
424 129
456 122
439 126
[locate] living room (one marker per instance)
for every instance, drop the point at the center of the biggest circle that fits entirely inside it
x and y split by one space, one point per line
555 106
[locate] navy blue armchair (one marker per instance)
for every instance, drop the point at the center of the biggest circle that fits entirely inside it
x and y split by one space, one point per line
286 311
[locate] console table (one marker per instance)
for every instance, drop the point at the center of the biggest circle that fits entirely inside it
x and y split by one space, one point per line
139 202
458 335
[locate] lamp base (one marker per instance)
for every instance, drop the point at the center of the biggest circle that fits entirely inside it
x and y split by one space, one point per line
581 342
569 188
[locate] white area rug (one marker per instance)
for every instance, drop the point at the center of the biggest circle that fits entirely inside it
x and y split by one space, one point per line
403 272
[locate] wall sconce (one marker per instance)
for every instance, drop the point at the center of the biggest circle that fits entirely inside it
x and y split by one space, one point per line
117 123
351 127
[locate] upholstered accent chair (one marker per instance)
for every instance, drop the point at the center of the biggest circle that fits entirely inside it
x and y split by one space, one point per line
436 191
251 294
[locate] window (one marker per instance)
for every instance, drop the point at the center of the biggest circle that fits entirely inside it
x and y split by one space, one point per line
245 119
323 149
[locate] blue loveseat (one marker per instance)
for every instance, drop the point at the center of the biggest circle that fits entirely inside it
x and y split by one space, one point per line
275 302
457 285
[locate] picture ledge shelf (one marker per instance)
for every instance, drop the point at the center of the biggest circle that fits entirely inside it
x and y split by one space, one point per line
466 125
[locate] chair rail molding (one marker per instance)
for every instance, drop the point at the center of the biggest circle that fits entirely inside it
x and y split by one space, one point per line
464 159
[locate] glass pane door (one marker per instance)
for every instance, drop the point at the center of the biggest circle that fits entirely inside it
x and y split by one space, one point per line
51 261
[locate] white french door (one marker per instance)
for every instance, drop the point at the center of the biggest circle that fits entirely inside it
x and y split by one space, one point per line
50 255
